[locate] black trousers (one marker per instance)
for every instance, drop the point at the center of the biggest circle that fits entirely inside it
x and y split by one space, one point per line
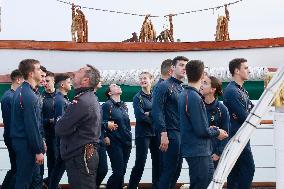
58 168
142 146
82 174
242 173
119 155
51 153
201 171
102 167
170 162
9 180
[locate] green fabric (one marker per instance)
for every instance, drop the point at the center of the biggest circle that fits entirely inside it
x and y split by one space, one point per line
255 89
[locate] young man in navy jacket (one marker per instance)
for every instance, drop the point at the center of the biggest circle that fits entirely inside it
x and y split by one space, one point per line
48 121
196 146
6 103
239 105
166 122
61 102
25 132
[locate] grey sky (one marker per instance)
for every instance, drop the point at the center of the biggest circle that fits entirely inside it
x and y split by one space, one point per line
49 20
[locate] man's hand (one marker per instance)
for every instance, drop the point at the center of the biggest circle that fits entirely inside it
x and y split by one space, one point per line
215 157
111 125
39 158
164 142
147 113
107 141
223 134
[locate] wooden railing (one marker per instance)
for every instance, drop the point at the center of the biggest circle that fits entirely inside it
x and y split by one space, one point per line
142 47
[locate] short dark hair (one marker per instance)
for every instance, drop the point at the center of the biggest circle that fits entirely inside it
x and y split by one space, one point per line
217 84
26 66
107 92
194 70
178 58
59 78
166 66
15 74
236 64
43 69
50 74
94 75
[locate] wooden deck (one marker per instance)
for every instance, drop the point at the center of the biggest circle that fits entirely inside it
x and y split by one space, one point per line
178 186
268 185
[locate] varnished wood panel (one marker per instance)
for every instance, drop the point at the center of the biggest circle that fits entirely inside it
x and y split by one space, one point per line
142 47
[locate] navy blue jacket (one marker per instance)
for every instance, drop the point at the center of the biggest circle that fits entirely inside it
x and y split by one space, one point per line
41 129
61 103
104 125
26 117
117 112
48 113
153 95
80 124
143 103
195 131
218 116
6 103
157 84
165 105
237 101
103 129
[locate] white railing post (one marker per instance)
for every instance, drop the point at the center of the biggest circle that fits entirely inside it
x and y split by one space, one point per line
279 146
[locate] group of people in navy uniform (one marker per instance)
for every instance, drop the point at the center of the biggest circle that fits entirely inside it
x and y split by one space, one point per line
174 121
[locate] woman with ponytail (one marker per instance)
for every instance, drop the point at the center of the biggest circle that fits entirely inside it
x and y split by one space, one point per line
118 132
217 113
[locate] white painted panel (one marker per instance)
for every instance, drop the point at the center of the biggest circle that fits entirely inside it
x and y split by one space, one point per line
63 61
264 156
262 136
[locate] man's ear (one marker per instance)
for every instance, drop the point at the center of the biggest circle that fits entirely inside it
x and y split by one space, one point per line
18 81
213 90
237 71
31 74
